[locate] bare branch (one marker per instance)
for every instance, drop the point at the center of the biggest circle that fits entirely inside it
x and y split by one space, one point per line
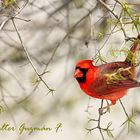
115 15
29 58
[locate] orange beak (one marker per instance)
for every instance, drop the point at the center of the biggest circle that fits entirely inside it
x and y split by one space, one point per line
78 73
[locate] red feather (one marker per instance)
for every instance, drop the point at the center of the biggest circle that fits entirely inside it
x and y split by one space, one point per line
108 81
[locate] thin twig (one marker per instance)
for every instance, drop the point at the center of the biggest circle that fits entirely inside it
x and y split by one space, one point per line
124 108
29 58
12 16
68 33
26 20
115 15
129 15
99 121
4 23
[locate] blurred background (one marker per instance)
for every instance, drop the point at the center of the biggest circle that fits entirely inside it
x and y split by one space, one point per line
40 43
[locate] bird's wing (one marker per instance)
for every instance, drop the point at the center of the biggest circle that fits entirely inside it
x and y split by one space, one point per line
113 77
113 66
118 68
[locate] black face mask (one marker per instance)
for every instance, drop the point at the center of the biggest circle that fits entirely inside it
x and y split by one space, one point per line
83 78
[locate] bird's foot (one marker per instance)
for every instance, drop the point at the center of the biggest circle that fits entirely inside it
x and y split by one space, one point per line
102 111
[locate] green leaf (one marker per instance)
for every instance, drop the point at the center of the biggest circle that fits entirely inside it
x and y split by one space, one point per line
127 8
129 122
109 131
100 36
110 134
34 79
7 3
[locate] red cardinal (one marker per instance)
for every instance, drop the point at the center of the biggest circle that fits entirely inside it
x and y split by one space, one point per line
108 81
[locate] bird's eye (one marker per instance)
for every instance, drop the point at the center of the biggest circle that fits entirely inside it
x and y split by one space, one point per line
77 68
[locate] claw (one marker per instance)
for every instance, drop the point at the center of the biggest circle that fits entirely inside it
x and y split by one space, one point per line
102 112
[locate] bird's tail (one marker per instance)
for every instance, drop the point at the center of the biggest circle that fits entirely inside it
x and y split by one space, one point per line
131 57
